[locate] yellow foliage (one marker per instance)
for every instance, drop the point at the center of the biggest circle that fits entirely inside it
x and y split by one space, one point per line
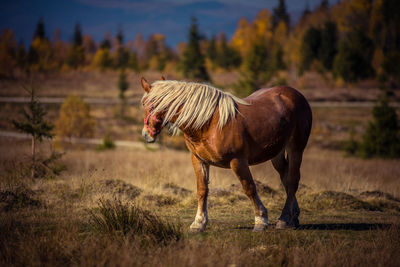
75 119
262 25
242 38
280 34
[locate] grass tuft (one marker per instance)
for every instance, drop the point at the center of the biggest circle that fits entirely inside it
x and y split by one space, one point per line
128 220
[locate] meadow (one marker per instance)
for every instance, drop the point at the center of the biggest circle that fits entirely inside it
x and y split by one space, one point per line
350 206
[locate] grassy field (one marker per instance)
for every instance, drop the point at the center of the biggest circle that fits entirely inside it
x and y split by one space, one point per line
350 207
350 211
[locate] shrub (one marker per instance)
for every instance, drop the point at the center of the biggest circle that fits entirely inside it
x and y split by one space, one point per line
75 119
128 220
108 143
382 135
351 146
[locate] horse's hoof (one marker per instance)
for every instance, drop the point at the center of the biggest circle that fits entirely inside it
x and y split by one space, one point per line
281 225
260 228
284 225
196 230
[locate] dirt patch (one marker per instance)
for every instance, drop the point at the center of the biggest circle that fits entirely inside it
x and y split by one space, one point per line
161 200
116 188
378 194
19 198
336 200
174 189
262 188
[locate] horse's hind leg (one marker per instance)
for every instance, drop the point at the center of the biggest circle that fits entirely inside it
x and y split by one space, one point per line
242 171
289 171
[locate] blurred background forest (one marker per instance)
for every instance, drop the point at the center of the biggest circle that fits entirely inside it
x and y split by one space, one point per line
332 45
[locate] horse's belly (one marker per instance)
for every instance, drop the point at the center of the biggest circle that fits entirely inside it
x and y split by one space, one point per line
259 154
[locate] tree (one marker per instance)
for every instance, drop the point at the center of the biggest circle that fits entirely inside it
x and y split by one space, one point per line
35 125
227 57
7 52
212 52
74 119
281 14
309 48
123 85
255 72
193 60
328 48
76 54
40 52
353 60
40 32
381 138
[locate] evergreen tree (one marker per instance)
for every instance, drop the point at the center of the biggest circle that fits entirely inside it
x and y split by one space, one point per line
123 85
281 14
133 62
193 60
40 30
382 135
353 60
77 35
255 70
328 48
212 52
21 56
76 53
35 125
227 57
309 48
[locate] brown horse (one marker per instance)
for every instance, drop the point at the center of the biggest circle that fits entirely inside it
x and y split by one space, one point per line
225 131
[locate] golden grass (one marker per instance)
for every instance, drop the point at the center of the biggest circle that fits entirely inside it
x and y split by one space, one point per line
346 227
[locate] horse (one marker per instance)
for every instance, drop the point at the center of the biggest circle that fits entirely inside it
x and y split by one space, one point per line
225 131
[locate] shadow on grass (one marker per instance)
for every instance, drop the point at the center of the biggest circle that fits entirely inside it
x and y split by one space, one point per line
344 226
332 226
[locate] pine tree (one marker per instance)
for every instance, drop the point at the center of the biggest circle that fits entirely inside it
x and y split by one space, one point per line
123 85
328 48
255 70
193 60
281 14
353 60
40 30
35 125
76 54
227 57
382 135
309 48
212 49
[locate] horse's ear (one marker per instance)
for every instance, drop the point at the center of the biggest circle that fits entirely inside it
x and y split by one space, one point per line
163 78
146 86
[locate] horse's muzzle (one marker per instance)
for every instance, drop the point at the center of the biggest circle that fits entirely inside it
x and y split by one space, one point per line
147 137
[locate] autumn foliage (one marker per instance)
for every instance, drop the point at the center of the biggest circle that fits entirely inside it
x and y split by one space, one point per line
352 39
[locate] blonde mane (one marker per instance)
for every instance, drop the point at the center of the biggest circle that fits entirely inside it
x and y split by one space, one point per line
194 103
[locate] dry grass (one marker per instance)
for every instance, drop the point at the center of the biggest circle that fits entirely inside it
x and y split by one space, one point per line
350 210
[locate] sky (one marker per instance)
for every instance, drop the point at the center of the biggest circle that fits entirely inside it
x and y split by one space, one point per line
168 17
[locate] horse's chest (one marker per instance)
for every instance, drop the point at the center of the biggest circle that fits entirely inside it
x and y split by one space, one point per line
208 153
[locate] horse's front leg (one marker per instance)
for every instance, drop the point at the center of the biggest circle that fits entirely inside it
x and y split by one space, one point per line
202 171
241 168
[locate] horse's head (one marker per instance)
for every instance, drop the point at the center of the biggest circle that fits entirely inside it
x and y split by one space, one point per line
153 122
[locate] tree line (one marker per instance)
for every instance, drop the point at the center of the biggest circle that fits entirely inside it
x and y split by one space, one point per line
352 40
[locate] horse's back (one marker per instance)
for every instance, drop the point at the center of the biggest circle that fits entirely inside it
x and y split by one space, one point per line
274 116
